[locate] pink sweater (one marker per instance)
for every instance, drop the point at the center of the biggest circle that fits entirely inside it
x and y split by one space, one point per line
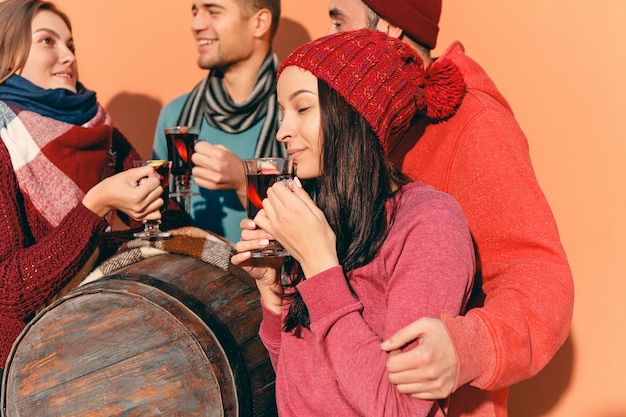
425 266
480 156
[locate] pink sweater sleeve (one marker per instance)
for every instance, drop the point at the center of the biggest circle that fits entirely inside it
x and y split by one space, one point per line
269 332
426 265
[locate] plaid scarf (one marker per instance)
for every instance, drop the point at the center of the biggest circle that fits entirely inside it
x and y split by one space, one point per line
209 100
56 162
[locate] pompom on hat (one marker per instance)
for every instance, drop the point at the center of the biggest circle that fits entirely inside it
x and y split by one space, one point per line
382 78
417 18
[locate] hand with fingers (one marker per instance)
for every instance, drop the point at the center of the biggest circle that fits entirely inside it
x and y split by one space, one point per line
427 371
266 270
217 168
136 192
292 218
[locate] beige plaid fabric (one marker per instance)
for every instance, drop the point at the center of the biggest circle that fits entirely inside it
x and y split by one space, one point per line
190 241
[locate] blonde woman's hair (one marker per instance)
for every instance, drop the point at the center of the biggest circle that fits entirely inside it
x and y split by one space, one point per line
15 32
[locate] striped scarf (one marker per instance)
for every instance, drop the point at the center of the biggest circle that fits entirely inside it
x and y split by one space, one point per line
56 162
209 100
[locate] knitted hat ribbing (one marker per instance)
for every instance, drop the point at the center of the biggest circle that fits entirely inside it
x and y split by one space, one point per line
382 78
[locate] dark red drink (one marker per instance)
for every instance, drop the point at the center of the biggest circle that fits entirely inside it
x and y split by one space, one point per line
257 190
262 173
179 149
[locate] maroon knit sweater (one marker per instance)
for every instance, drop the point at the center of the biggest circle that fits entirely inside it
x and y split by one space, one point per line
35 260
480 156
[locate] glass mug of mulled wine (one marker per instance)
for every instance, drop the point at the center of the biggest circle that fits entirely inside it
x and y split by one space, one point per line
180 146
261 174
152 230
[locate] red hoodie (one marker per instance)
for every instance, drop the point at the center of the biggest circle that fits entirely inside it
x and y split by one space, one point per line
480 156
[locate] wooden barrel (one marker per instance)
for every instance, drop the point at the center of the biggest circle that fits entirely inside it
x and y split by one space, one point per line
170 335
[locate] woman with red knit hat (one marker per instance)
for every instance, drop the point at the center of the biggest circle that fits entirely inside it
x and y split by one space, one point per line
373 250
480 156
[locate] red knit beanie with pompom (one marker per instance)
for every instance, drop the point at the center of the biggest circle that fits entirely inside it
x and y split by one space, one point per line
382 78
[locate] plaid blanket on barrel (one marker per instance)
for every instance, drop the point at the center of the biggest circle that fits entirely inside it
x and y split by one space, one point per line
191 241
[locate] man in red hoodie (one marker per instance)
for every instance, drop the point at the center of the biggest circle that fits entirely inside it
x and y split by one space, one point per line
480 156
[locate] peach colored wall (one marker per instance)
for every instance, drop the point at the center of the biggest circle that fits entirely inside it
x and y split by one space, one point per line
561 64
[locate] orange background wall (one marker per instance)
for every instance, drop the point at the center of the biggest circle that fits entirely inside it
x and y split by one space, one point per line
562 66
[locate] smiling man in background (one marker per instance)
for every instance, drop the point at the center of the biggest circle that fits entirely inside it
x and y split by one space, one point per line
234 107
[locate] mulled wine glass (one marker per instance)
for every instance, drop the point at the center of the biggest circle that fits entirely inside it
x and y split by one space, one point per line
261 174
152 229
180 146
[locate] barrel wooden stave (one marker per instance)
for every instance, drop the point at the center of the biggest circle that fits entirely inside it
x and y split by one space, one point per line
117 360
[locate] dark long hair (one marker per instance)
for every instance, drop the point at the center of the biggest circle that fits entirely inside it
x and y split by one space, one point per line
357 180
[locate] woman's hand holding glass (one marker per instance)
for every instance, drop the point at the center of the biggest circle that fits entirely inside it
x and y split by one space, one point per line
136 192
291 217
265 270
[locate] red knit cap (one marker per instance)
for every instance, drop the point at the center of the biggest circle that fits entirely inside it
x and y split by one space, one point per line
418 18
382 78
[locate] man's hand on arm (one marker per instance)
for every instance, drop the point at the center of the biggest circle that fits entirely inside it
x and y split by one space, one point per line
427 371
